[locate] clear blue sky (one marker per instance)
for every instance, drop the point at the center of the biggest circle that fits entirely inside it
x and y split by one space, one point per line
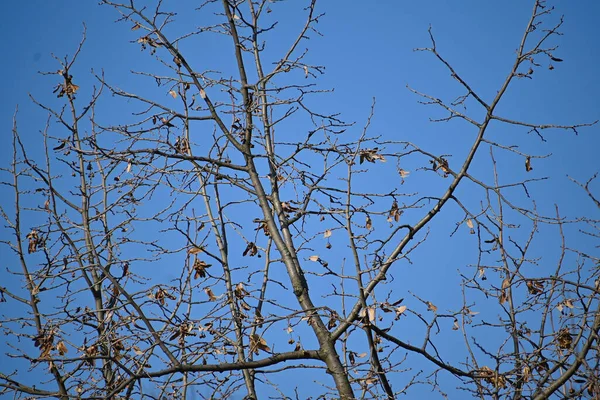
367 49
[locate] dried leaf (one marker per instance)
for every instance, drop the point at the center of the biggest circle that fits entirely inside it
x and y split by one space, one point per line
556 59
526 373
395 212
136 27
470 223
371 313
34 241
403 173
173 93
569 303
455 326
370 155
251 250
431 307
369 223
211 295
314 258
327 233
503 297
535 287
564 339
137 350
62 349
528 166
195 250
258 343
399 311
200 268
240 291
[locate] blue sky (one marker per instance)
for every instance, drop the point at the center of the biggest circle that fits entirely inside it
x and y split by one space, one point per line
367 49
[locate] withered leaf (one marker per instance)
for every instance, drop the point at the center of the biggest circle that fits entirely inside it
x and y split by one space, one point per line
503 297
564 339
251 250
333 320
173 93
314 258
34 241
240 291
369 223
395 212
528 166
327 233
399 311
262 225
195 250
431 307
200 268
62 349
370 155
556 59
211 295
258 343
535 287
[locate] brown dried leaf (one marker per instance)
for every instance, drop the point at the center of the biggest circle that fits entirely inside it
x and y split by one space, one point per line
369 223
327 233
528 166
34 241
62 349
399 311
173 93
431 307
370 155
258 343
251 250
395 212
195 250
211 295
314 258
240 291
564 339
200 268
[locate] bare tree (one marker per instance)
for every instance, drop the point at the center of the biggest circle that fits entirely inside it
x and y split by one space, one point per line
207 246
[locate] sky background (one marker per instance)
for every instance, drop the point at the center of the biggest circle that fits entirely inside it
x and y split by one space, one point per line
367 49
